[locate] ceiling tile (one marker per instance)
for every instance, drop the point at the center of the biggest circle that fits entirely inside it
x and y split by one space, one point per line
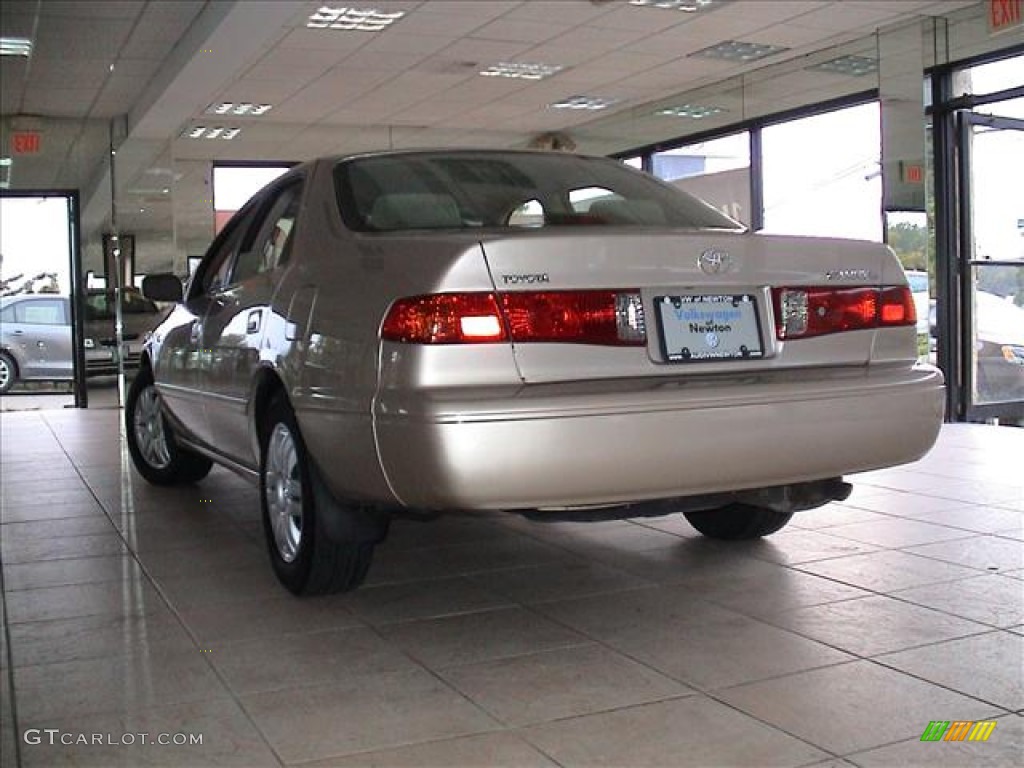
16 24
408 43
82 39
484 51
92 9
55 73
519 31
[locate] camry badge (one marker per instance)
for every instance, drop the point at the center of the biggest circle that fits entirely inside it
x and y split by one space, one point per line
713 261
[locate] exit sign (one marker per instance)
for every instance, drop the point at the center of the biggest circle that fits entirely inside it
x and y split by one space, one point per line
1003 15
26 142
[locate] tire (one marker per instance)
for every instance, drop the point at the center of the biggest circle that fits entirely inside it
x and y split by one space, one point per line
155 452
8 373
294 504
737 522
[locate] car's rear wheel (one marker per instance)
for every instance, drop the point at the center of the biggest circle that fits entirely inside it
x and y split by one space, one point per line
8 372
151 442
736 522
305 557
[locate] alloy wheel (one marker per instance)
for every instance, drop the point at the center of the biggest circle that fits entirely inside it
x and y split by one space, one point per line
283 491
150 434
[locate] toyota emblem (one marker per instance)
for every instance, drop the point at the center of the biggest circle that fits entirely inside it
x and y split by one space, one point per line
713 262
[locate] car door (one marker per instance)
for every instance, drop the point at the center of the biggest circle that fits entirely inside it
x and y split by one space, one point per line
42 329
184 359
236 319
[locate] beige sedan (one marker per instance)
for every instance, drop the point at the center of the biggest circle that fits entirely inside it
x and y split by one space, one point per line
537 332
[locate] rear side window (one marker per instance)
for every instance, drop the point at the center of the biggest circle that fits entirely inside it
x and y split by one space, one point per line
509 190
40 312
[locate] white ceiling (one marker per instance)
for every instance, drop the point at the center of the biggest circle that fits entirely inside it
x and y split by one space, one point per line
147 71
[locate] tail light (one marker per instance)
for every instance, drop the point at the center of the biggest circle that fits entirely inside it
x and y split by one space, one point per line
576 317
804 312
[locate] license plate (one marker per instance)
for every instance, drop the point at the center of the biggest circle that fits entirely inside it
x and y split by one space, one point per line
709 327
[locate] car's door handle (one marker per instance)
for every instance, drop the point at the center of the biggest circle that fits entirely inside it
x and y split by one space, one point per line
197 332
18 333
253 323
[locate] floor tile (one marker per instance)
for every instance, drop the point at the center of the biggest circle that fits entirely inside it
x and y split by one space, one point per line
428 599
119 684
131 597
89 637
989 667
557 581
489 749
223 622
362 715
623 614
896 533
872 625
991 599
254 582
1003 748
302 659
852 707
56 573
228 739
769 592
558 684
985 553
693 731
62 547
885 571
716 654
474 637
792 546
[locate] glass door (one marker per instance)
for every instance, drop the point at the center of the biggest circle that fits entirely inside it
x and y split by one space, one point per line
991 150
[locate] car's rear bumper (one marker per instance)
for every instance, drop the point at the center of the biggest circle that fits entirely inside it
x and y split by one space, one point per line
555 447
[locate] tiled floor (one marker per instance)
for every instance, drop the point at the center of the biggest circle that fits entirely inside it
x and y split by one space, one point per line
493 641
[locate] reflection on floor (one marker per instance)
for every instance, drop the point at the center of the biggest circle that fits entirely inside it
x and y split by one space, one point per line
492 641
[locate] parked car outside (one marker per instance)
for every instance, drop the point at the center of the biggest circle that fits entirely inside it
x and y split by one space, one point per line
36 340
999 348
524 331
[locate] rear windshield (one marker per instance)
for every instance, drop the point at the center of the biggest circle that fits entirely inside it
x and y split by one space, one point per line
468 190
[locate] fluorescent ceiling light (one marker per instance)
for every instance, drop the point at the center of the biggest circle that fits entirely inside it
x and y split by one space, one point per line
242 108
15 46
357 19
687 6
584 102
692 111
520 70
6 162
216 132
737 50
855 66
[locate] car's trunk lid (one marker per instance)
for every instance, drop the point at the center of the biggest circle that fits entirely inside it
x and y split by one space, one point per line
683 272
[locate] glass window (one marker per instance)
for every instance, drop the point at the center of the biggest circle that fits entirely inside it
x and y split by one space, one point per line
822 175
40 312
462 190
234 186
634 162
992 77
270 247
717 171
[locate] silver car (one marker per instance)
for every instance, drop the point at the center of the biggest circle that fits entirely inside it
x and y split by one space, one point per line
35 339
536 332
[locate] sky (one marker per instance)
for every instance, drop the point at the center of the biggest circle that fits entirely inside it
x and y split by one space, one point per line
34 238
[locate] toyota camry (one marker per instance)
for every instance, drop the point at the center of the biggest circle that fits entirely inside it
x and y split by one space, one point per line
533 332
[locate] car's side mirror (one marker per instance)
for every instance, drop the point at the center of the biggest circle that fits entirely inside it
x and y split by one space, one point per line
162 287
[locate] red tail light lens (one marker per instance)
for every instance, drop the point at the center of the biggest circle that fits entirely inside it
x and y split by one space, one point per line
805 312
445 318
575 317
897 306
578 317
